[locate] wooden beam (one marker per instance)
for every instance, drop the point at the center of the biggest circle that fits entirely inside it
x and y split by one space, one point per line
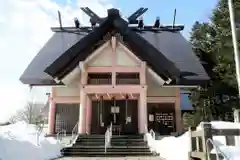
89 89
113 69
66 99
161 99
226 132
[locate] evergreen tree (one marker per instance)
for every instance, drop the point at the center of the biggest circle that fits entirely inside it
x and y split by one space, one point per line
212 43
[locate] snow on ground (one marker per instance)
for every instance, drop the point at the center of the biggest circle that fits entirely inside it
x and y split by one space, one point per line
19 142
172 148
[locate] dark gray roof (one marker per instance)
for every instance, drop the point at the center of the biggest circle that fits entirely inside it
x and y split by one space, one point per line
171 44
111 25
56 46
177 49
165 50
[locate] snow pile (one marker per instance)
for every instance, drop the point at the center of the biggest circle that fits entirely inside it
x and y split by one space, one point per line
172 148
19 142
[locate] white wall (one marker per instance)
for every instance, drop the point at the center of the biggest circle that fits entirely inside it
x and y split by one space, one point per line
123 58
155 89
67 91
103 59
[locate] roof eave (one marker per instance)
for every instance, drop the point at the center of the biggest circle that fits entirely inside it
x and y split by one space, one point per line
39 82
191 82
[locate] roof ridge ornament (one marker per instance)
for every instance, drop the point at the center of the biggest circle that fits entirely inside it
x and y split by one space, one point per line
135 22
174 17
94 18
113 13
132 19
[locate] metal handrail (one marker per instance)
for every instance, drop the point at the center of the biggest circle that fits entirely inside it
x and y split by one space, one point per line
108 136
217 149
74 135
146 131
152 134
146 128
39 131
64 133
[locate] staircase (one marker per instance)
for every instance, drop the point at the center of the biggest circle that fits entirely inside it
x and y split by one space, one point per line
121 146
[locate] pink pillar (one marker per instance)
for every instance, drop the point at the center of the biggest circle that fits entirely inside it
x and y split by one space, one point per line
51 116
143 73
142 111
83 100
179 121
114 59
114 78
88 115
82 113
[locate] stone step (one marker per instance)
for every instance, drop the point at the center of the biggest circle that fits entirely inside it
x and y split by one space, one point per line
113 139
119 147
112 158
120 143
108 149
113 136
108 154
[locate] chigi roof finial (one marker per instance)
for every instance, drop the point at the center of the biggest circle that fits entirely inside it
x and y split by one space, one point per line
94 18
135 22
132 19
113 12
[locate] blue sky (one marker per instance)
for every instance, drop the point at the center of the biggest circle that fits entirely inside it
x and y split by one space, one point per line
188 11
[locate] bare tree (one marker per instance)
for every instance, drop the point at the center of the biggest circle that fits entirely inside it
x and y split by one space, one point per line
31 113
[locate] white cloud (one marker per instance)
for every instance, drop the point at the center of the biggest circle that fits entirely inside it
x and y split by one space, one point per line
24 28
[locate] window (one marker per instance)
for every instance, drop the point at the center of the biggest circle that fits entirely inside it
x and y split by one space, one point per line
127 78
99 78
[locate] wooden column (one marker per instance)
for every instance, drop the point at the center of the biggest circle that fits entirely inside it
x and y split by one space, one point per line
143 73
88 115
113 78
142 111
178 116
114 59
83 100
82 112
51 113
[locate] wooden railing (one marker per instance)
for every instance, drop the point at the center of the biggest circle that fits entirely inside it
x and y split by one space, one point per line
100 81
109 81
200 141
127 81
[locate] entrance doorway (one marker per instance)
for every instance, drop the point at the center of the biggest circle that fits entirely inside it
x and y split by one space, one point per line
121 113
